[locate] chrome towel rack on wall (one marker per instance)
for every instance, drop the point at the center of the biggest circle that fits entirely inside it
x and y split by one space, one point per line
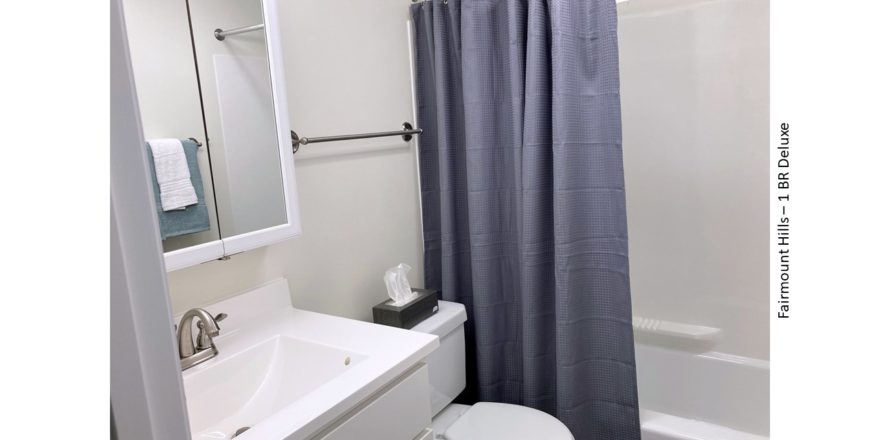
407 135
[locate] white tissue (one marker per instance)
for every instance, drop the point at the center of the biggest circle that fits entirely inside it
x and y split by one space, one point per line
398 286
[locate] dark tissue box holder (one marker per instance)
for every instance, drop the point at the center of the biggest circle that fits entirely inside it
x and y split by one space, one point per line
411 313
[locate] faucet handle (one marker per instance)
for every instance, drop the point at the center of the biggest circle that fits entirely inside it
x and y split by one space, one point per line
218 318
203 339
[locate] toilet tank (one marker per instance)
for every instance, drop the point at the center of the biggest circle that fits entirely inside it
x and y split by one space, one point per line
446 370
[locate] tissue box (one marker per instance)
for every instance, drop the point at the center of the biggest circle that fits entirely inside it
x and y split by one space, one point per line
411 313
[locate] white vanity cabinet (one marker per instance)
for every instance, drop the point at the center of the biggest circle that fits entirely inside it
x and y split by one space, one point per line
292 374
399 411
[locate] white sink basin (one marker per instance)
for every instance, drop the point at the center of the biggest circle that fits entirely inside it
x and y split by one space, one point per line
288 373
250 386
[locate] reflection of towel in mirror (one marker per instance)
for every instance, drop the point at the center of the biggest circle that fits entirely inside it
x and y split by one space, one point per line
172 173
193 218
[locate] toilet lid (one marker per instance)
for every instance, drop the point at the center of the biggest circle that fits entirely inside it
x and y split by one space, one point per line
509 422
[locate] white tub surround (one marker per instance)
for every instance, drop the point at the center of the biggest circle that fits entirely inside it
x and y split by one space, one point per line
705 396
293 374
659 426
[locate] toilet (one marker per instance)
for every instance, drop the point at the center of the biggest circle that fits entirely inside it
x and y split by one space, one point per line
483 420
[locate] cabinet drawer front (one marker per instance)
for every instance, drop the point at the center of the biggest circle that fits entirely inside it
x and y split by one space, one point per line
399 412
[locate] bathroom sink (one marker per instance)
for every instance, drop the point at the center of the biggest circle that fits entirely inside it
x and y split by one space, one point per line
246 388
286 373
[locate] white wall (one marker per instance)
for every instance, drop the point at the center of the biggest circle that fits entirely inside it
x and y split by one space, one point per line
694 87
146 389
347 72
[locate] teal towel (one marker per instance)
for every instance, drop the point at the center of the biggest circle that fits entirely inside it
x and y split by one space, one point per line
193 218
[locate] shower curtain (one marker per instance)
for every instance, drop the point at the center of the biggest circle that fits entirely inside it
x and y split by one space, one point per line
523 202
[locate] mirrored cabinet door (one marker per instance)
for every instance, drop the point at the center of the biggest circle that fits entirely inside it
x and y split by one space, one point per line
239 114
170 105
211 95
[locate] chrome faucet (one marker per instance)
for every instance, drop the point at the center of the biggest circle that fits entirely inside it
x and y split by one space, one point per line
204 348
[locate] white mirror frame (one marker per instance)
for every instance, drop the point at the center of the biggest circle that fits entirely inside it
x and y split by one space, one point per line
223 247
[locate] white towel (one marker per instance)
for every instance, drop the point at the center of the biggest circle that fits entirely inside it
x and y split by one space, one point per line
172 174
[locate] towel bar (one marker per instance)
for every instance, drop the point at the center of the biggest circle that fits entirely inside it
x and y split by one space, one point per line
407 135
221 35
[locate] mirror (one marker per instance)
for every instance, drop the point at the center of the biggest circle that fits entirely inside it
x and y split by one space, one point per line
211 95
239 115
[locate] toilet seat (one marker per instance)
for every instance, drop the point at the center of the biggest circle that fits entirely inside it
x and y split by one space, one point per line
489 421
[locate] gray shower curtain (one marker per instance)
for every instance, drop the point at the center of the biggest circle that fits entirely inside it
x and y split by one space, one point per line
523 202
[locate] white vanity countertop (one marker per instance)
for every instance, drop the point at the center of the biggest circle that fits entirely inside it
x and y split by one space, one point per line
379 355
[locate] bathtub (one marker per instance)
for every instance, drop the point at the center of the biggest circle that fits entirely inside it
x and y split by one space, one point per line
702 396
